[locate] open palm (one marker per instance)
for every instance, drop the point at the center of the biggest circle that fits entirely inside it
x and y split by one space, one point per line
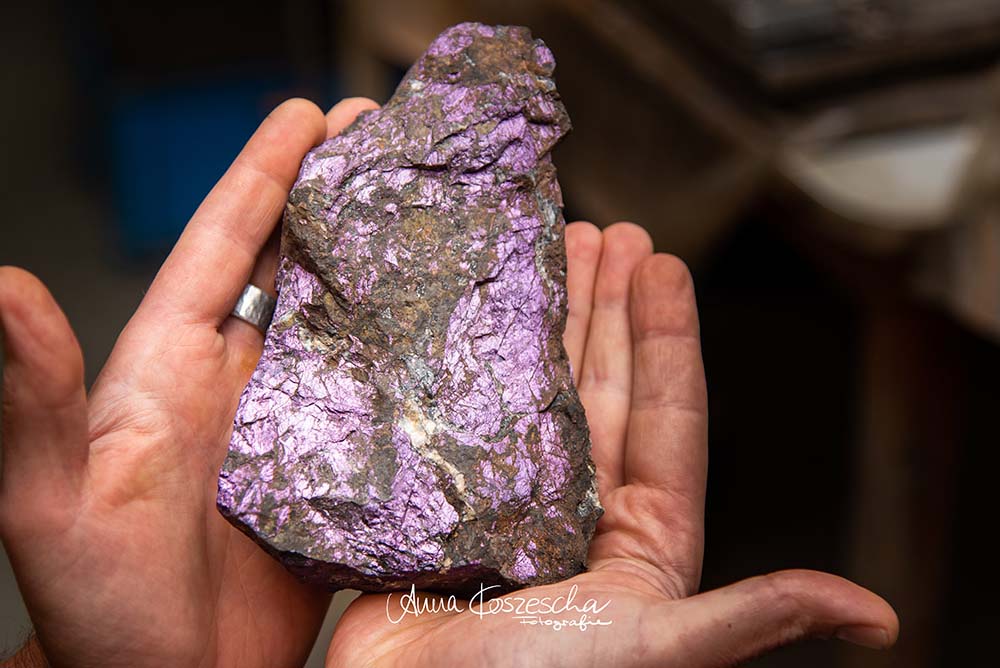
632 336
107 504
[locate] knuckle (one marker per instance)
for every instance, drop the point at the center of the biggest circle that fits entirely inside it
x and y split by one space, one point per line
785 594
664 541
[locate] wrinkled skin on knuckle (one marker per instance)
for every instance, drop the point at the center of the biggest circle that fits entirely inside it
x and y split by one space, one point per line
639 522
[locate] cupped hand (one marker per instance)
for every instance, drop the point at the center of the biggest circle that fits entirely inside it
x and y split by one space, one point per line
107 502
632 338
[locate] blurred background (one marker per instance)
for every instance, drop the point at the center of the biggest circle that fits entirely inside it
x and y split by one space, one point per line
830 170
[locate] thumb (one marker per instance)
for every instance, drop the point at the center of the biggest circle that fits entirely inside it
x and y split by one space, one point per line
44 422
728 626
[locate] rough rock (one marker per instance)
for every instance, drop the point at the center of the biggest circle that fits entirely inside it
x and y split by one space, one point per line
413 419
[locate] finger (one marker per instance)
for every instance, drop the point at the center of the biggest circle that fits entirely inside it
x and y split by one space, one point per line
44 400
244 341
204 274
606 373
583 252
344 112
668 424
731 625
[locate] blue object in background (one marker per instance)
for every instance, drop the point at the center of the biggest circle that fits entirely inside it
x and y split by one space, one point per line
168 148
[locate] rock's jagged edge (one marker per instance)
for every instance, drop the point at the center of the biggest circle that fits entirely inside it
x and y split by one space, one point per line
416 349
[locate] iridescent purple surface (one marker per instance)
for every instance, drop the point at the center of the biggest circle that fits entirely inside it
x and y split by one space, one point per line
413 419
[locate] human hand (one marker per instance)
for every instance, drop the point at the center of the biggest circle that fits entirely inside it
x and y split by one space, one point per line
632 334
107 502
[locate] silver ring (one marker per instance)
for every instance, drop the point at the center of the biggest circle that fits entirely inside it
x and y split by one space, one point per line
255 307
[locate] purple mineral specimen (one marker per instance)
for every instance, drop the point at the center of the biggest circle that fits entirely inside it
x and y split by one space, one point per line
413 419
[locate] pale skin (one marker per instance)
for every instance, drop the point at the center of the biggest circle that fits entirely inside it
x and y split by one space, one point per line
107 498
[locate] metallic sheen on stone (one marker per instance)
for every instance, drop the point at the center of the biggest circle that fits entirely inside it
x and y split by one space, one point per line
413 418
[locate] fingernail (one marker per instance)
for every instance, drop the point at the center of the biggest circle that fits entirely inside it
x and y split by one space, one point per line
866 636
